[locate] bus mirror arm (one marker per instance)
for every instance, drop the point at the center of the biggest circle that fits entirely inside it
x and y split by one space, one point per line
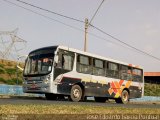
55 64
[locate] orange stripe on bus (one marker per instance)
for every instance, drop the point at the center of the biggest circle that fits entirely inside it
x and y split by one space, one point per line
128 84
117 84
120 82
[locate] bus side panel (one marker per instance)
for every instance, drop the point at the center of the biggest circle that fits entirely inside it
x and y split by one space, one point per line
89 86
64 87
96 89
98 86
117 86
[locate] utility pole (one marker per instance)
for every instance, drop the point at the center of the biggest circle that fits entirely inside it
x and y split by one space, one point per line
87 24
86 32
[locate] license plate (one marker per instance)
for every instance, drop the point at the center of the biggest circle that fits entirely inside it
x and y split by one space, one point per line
33 86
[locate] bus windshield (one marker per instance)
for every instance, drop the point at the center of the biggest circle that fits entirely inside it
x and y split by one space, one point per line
39 62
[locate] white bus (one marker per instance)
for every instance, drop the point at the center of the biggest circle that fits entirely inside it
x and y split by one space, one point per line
62 71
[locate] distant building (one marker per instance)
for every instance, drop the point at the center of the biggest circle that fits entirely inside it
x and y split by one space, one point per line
152 77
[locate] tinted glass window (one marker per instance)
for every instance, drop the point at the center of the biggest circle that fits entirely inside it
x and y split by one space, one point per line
98 63
112 70
98 67
126 73
84 64
67 62
39 61
84 60
137 75
113 66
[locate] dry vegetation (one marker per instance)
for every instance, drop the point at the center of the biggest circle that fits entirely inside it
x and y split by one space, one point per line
72 109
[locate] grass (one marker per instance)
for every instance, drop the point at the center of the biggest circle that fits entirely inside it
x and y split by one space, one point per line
72 109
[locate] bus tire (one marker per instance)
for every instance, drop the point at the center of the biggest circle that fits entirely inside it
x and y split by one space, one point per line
118 100
50 96
76 93
124 97
100 99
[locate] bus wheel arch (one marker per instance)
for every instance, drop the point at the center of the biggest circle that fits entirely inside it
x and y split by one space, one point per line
126 90
77 92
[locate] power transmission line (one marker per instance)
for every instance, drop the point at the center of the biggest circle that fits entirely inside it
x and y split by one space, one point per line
126 44
42 15
49 18
96 12
50 11
130 46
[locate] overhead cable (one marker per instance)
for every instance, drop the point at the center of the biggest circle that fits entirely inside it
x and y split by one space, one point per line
100 30
26 3
130 46
49 18
96 12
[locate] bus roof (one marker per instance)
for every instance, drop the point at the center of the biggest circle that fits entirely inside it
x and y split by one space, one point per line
96 56
42 48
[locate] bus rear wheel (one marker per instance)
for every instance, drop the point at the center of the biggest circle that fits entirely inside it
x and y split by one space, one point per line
124 97
100 99
50 96
76 93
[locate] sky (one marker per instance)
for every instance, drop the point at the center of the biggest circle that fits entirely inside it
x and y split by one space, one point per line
135 22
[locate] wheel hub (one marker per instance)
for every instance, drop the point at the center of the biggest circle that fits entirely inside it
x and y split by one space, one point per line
76 93
125 97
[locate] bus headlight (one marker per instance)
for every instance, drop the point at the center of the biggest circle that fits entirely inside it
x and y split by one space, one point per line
46 81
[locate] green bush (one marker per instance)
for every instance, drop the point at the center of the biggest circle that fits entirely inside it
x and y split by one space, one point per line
151 89
1 66
14 81
10 82
11 71
2 80
2 71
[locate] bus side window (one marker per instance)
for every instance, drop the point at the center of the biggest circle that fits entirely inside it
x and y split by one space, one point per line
67 62
137 75
113 70
98 67
84 64
126 73
129 73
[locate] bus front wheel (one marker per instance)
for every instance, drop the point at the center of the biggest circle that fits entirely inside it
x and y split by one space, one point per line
76 93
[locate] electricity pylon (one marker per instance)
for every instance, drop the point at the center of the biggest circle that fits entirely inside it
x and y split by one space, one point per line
6 53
